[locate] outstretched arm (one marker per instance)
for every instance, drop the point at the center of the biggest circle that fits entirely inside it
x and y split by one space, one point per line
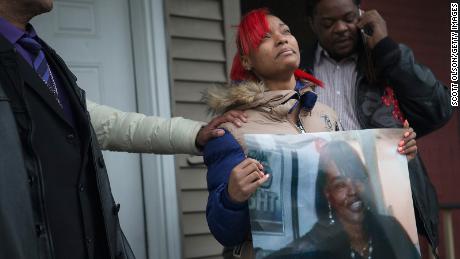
134 132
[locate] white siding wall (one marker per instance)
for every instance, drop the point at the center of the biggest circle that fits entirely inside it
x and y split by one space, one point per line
200 49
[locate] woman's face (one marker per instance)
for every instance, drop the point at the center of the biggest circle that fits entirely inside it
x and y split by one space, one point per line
278 53
345 194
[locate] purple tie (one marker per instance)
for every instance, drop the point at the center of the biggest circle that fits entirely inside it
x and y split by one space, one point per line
39 63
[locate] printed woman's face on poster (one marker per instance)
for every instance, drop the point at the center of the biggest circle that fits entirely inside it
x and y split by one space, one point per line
344 194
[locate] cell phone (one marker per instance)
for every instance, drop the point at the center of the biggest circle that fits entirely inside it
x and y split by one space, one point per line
367 30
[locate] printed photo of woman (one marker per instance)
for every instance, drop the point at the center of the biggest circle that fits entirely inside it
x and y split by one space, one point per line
348 226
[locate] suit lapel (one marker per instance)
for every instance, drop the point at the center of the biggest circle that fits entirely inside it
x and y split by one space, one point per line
70 78
33 81
68 81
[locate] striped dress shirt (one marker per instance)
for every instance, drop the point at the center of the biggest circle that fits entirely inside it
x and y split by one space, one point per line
339 86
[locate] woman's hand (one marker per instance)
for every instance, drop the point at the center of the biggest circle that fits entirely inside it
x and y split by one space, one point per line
408 145
244 180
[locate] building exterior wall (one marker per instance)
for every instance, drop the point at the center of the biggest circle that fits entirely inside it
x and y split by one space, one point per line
200 40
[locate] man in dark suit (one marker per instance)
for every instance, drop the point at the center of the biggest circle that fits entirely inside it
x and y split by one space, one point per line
55 197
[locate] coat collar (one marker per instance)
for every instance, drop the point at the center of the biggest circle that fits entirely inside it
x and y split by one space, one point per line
30 78
33 81
253 95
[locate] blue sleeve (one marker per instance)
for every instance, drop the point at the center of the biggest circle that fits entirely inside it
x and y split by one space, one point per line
228 221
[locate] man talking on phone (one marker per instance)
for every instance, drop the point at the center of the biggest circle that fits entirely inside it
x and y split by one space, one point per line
374 82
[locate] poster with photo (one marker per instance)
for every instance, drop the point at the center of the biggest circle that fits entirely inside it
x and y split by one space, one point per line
333 195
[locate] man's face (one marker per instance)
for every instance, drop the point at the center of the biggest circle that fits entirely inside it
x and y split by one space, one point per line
334 22
34 7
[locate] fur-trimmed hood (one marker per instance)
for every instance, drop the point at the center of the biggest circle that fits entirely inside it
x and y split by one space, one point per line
246 95
272 112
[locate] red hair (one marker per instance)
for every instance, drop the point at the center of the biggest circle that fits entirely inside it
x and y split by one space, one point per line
300 74
251 30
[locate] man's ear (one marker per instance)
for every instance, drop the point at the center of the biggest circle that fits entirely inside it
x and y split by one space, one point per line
246 62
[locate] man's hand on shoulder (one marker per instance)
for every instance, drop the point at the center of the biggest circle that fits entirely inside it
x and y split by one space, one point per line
210 131
372 20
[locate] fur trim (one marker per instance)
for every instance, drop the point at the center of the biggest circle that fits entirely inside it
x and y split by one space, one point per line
223 98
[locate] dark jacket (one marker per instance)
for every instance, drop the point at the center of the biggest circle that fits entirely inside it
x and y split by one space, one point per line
423 101
39 148
323 241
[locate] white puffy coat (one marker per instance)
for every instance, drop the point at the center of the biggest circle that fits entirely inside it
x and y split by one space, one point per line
134 132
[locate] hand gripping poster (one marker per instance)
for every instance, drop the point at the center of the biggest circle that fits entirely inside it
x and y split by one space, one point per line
333 195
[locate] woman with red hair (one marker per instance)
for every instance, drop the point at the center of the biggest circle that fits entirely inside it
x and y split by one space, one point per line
278 98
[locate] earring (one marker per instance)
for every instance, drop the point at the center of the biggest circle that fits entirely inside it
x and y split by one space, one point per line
331 218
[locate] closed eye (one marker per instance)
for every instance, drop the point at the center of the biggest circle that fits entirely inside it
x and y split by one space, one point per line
327 23
350 17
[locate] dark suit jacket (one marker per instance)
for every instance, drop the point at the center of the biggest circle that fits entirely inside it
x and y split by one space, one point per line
70 201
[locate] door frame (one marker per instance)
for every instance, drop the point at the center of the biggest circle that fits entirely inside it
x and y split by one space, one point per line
163 234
